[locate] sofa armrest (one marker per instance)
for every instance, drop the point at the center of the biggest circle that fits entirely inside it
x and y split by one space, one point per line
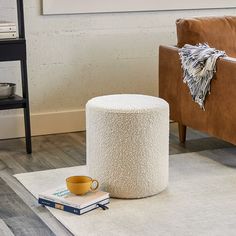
226 66
170 74
224 83
219 116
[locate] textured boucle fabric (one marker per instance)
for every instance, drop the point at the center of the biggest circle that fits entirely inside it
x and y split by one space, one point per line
128 143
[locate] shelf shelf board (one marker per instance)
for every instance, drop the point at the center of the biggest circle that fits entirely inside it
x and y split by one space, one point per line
12 49
12 41
12 103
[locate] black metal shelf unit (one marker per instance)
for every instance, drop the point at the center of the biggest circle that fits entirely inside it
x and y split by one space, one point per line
15 50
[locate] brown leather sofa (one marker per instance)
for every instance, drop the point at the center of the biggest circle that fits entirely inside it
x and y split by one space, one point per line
219 117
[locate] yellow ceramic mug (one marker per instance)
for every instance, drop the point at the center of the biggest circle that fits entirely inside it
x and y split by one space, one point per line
80 185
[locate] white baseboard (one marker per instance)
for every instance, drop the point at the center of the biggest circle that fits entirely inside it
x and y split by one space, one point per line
12 126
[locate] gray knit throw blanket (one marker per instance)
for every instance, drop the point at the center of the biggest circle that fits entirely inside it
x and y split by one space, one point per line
199 65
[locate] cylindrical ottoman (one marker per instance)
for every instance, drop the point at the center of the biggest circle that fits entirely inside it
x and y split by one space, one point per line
128 143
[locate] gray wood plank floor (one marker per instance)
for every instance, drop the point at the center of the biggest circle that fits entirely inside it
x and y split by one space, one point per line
5 231
19 212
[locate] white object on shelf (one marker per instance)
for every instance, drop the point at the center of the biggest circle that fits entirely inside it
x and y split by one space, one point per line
7 29
8 35
7 23
128 144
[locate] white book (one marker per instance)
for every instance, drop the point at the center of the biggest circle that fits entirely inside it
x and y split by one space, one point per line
7 24
11 35
7 29
62 199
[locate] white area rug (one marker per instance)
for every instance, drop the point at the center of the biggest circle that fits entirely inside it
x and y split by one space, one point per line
200 200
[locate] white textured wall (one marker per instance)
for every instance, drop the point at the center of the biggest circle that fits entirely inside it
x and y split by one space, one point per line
72 58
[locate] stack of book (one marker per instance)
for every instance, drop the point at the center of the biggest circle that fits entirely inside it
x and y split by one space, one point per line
60 198
7 30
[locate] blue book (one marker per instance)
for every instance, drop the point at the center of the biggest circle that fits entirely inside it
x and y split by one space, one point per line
60 198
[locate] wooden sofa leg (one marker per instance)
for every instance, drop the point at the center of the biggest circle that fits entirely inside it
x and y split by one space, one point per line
182 133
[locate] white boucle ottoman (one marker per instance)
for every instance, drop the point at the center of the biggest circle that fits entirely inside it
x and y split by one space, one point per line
128 144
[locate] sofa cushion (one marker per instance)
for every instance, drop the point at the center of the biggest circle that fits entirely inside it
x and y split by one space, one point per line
218 32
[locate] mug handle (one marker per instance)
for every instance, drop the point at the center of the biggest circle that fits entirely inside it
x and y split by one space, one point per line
96 187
